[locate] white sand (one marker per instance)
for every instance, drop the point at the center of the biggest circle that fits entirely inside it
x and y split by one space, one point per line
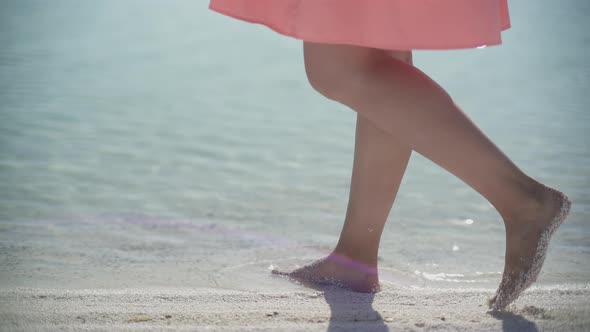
563 308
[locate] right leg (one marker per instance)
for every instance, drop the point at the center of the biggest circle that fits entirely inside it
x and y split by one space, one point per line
411 107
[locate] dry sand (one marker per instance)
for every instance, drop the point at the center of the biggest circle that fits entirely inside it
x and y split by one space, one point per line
563 308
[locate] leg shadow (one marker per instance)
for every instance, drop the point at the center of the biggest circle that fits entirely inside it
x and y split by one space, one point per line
514 323
352 311
349 310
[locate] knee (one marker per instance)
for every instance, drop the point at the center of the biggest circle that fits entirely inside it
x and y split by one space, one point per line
344 73
320 81
327 82
333 70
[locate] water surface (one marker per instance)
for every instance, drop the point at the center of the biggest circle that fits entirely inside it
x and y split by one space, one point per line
139 137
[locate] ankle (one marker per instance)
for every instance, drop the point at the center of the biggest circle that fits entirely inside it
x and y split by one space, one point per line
353 264
356 254
534 197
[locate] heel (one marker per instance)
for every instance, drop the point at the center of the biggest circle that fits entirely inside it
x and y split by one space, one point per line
563 213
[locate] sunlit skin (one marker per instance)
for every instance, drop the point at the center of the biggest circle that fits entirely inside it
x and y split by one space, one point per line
400 110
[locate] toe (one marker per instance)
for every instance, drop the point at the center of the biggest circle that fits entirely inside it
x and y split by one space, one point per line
503 294
500 302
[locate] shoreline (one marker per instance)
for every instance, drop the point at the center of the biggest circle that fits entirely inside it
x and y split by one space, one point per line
563 308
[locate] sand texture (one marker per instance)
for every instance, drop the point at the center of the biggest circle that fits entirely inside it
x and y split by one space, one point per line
563 308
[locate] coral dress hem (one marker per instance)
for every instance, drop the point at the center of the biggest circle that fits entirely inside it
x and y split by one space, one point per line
383 24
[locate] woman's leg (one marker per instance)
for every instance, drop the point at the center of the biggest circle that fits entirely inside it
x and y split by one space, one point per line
378 167
419 114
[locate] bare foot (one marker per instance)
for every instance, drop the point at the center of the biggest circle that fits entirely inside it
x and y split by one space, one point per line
527 240
340 271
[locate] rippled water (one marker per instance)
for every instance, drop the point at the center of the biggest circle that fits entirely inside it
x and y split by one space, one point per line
138 133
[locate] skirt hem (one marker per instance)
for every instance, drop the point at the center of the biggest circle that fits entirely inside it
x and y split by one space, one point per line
363 44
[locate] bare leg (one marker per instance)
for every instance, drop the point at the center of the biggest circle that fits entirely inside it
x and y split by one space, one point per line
419 114
379 165
380 162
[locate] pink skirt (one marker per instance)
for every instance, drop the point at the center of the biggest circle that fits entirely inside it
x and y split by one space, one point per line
384 24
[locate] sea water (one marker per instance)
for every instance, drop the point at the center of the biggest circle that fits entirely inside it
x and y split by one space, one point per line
144 142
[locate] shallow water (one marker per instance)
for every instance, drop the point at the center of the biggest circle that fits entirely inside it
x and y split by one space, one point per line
169 144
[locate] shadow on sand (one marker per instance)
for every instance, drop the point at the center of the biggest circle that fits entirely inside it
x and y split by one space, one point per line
349 311
352 311
514 323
